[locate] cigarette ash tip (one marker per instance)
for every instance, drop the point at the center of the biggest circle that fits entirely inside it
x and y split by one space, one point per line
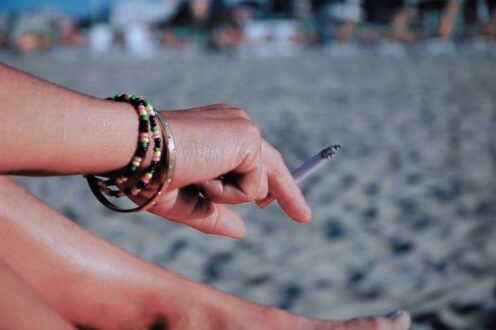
330 151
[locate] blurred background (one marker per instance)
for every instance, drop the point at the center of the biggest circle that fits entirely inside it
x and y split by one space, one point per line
256 27
404 215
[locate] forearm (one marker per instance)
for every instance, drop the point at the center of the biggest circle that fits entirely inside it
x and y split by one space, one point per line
48 129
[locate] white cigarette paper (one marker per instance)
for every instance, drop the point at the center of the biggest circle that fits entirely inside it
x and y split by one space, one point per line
314 163
307 168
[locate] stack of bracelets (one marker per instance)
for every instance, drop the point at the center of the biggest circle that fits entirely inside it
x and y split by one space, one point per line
159 170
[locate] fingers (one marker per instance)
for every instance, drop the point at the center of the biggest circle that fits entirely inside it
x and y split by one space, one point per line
399 321
250 168
247 180
283 187
189 207
272 176
223 221
234 189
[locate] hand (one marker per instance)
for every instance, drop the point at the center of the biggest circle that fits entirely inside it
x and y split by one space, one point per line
222 159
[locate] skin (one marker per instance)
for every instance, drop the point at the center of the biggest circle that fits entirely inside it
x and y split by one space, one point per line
399 24
450 14
60 143
82 278
16 297
54 273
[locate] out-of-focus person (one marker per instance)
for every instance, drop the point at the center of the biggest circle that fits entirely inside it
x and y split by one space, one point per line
228 33
438 18
409 20
4 31
480 17
193 19
34 31
336 19
387 18
68 30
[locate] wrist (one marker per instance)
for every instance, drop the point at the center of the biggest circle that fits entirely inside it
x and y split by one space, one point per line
118 124
151 168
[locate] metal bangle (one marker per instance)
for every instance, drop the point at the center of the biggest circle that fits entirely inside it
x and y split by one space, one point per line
169 164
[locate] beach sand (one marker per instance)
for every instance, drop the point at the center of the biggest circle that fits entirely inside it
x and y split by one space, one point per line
403 217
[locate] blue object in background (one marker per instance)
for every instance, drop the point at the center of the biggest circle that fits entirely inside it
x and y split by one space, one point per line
74 7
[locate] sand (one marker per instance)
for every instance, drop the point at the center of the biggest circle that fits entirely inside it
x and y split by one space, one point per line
404 216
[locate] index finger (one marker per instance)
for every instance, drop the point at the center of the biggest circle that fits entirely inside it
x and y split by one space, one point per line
283 187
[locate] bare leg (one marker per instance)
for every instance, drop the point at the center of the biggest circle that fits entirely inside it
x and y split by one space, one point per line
21 308
93 284
448 21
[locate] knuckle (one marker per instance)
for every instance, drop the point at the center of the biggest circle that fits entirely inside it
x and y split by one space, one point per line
210 225
263 191
240 112
250 135
252 130
262 196
216 107
375 323
248 193
278 156
222 105
274 153
252 194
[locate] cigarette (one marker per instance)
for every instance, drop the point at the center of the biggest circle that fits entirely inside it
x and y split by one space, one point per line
314 163
307 168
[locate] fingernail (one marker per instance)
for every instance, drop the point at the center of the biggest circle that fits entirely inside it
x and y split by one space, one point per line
236 229
308 211
394 314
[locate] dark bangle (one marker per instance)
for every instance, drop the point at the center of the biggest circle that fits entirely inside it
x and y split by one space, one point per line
160 161
148 197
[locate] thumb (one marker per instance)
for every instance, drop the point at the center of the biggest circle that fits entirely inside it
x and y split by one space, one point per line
222 221
398 320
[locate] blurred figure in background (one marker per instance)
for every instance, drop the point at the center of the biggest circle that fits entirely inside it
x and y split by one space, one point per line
230 24
438 15
282 8
480 17
194 19
69 34
4 30
336 19
389 18
34 31
429 18
229 32
138 30
42 30
271 29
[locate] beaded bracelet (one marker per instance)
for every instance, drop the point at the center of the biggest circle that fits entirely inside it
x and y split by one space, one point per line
150 171
146 119
166 160
166 171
